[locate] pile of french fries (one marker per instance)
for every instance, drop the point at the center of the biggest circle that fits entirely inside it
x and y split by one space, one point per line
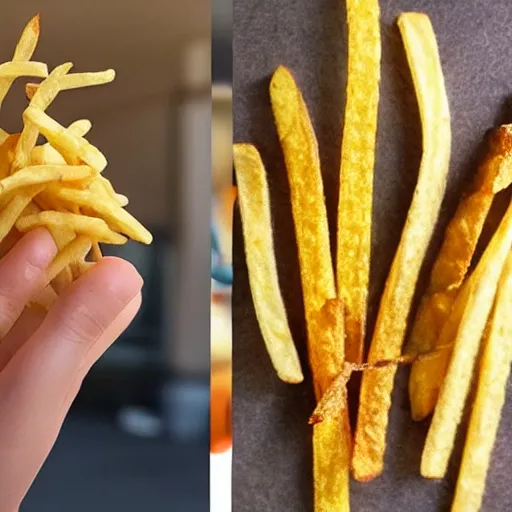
461 331
58 184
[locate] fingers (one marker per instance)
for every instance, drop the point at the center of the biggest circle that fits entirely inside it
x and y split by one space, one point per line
43 376
22 275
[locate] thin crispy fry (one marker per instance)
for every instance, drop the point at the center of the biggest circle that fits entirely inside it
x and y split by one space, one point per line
451 266
94 228
356 178
259 252
24 51
69 145
113 214
479 296
15 208
96 252
375 400
77 81
331 440
75 251
44 174
490 397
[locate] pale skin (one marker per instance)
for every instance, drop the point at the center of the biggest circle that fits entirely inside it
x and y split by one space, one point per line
45 357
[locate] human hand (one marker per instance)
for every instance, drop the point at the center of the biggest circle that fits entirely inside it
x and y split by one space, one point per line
45 357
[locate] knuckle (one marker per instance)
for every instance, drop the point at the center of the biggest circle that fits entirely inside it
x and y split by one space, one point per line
82 325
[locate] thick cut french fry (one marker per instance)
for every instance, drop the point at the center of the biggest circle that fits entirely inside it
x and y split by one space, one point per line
254 205
12 70
356 177
323 312
478 294
488 404
450 268
377 384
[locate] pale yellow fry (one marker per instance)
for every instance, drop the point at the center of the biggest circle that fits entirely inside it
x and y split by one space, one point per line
24 51
80 128
254 204
39 174
482 286
70 146
9 215
97 255
323 311
3 136
77 81
45 95
122 200
377 384
13 70
74 251
62 280
93 227
112 213
356 177
488 404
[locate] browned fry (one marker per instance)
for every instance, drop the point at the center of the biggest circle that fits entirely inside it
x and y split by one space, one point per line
356 177
377 384
450 269
324 313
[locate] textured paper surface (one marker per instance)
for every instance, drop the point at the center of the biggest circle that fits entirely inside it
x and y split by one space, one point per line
272 466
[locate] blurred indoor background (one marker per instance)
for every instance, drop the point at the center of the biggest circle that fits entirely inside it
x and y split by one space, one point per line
137 439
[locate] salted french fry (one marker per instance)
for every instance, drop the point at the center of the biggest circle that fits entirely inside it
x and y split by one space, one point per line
377 384
356 177
490 397
77 81
94 228
259 252
450 269
76 250
478 294
323 311
69 145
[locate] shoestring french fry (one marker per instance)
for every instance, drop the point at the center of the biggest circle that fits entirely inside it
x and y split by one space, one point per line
377 384
32 176
254 203
323 311
479 297
490 397
356 176
451 267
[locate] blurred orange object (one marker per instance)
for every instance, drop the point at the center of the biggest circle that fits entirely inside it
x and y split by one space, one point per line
220 412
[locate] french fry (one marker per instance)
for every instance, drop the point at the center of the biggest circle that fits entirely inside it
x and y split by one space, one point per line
377 384
69 145
23 52
356 177
94 228
323 311
264 283
12 70
76 250
15 208
77 81
450 269
478 294
489 400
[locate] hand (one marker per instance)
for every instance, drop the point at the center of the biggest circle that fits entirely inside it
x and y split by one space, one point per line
45 357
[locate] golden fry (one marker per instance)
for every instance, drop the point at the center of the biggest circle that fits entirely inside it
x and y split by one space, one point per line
490 397
94 228
450 269
377 384
478 294
15 208
69 145
259 252
76 250
323 312
356 177
77 81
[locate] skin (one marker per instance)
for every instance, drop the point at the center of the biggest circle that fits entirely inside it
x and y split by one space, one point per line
45 357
